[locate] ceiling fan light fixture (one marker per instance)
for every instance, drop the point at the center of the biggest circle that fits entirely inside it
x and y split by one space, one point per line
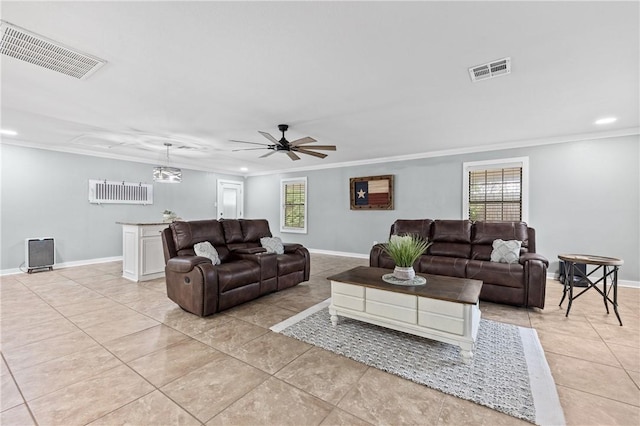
289 148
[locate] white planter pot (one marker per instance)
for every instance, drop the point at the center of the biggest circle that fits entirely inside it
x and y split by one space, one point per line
404 273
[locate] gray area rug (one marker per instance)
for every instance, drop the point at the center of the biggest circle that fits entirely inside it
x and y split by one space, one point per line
508 373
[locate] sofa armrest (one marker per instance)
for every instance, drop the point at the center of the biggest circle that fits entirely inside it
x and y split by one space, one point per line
185 263
291 247
374 255
533 256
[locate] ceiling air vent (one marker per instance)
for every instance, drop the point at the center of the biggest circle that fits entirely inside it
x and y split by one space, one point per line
490 70
35 49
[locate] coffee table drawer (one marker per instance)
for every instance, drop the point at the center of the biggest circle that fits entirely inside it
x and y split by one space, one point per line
393 312
441 323
348 289
441 307
397 299
349 302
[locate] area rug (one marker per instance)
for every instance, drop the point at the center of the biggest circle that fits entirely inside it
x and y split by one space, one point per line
509 372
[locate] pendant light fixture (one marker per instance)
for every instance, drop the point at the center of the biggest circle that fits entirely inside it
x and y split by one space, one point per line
166 174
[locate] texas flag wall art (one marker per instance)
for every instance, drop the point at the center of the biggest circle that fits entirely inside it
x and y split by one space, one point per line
372 193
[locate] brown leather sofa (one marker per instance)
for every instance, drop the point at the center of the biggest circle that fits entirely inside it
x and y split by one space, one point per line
462 248
246 271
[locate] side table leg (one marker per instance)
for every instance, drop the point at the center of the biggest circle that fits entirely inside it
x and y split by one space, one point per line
614 283
604 287
571 266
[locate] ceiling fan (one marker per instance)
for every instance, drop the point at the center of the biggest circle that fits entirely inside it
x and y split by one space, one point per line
290 148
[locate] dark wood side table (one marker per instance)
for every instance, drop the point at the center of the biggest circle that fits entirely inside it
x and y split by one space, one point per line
609 267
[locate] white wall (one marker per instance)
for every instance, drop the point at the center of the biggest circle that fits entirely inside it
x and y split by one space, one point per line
45 193
584 198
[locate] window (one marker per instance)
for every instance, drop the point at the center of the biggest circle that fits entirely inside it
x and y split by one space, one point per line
293 199
496 190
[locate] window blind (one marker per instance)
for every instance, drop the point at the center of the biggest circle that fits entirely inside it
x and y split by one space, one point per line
495 194
294 202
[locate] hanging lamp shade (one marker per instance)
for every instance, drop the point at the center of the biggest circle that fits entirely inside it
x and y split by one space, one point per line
166 174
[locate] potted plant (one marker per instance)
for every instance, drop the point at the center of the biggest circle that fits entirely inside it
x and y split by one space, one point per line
405 250
169 216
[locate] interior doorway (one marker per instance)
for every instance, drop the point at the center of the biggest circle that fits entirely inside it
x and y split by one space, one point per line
230 201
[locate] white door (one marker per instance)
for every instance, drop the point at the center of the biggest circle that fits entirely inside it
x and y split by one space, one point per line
230 199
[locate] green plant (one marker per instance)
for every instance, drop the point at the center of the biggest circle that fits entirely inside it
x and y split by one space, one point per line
406 249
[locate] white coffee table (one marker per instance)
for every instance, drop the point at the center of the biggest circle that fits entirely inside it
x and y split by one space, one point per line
444 309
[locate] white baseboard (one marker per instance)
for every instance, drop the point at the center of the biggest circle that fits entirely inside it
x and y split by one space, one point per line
339 253
68 264
621 283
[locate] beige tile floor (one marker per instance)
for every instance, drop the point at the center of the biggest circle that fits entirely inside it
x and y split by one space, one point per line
85 346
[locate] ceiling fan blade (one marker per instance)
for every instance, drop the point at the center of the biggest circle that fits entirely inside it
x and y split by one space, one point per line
303 141
315 154
292 155
320 147
252 143
268 154
271 138
248 149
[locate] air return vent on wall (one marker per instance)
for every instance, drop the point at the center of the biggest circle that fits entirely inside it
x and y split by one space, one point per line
490 70
108 192
38 50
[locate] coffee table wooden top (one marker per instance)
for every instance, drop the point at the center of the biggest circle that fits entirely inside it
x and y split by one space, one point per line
451 289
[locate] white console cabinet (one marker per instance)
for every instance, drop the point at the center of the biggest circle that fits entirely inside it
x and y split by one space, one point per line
142 256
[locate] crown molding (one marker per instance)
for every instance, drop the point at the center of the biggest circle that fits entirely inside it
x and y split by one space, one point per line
467 150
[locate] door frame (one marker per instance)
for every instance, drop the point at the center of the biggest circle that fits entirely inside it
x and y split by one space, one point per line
219 201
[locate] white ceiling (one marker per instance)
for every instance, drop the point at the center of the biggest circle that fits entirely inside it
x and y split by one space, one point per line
377 79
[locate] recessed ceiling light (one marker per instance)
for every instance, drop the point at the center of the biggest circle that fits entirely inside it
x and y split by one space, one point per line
8 132
607 120
244 169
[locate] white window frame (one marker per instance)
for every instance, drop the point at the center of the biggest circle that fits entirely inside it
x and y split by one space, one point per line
496 164
283 183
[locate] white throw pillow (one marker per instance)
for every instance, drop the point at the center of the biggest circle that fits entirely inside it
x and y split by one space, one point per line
273 245
205 249
506 251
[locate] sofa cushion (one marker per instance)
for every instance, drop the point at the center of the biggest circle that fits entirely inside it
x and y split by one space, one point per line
420 227
488 232
272 244
503 274
452 231
232 231
205 249
506 251
237 274
485 233
288 263
450 250
254 229
440 265
186 234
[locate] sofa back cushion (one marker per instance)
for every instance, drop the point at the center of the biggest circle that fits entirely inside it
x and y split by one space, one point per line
486 232
451 238
420 227
232 231
254 229
186 234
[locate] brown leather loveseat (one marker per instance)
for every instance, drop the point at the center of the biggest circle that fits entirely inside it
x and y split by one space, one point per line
246 271
462 248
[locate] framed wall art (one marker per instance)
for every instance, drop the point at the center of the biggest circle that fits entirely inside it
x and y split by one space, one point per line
371 193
